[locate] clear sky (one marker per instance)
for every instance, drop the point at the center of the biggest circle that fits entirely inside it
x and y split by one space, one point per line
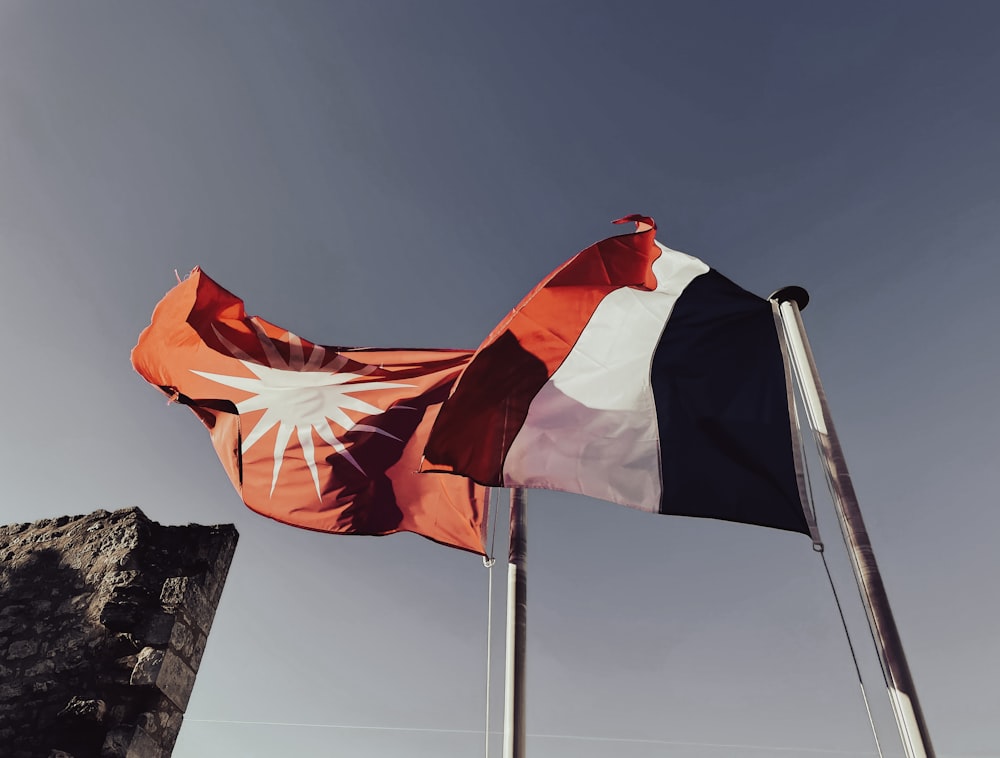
399 174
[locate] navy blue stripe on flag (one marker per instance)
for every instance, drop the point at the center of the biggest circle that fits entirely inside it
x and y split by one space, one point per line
722 408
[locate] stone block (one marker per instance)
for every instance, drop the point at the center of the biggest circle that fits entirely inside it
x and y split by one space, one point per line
176 680
116 742
182 640
171 728
41 668
22 649
147 667
74 605
182 595
143 746
164 670
198 650
218 551
131 742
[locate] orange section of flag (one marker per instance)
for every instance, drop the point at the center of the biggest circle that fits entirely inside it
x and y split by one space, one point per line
319 437
489 406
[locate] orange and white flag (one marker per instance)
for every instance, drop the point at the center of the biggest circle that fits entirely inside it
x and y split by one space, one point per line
324 438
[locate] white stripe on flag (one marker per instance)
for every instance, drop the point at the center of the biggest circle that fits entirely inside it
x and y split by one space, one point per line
592 428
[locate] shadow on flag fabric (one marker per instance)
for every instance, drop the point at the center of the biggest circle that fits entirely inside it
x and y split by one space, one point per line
324 438
638 375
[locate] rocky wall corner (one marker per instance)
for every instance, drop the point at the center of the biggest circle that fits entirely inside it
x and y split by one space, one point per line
103 623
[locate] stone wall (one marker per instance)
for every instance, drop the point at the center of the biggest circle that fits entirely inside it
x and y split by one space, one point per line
103 622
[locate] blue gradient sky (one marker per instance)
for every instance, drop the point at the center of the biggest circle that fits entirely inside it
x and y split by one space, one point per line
400 174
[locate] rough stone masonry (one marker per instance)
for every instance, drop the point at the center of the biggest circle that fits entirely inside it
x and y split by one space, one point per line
103 622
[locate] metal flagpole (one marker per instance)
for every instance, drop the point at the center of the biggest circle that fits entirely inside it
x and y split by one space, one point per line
517 605
902 693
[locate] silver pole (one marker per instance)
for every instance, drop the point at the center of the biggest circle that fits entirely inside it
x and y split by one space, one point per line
902 693
517 606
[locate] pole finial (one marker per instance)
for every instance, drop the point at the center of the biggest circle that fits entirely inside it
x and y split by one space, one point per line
793 293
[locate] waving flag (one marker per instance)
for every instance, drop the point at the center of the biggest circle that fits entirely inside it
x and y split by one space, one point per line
324 438
634 374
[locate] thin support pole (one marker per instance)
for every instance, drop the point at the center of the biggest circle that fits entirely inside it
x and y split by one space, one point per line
902 693
517 592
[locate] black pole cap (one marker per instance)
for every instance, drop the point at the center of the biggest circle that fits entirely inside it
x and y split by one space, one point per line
794 293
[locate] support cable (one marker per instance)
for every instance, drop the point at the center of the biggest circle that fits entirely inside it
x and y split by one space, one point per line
867 601
820 548
850 646
899 682
809 506
488 561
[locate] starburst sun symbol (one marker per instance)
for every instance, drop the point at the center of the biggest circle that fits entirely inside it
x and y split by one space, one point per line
302 396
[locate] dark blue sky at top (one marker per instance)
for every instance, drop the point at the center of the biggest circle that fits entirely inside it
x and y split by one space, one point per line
400 174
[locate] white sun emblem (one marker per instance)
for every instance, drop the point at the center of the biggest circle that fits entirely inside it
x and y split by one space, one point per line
301 396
